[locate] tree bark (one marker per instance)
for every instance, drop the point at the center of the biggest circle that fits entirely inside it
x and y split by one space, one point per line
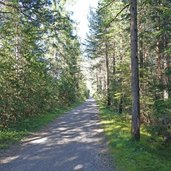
135 72
114 60
107 75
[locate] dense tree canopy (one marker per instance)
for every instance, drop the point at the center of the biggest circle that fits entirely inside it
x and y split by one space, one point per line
109 46
39 59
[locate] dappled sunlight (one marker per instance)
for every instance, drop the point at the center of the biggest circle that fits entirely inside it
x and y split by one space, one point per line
146 134
74 137
78 167
116 126
130 152
91 100
107 122
39 141
71 158
125 129
8 159
62 129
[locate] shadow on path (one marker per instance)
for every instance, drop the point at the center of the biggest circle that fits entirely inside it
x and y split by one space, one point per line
72 142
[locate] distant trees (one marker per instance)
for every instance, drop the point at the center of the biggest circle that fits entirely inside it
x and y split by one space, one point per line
150 58
39 59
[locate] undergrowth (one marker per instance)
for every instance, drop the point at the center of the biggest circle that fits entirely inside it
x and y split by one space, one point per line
15 132
147 155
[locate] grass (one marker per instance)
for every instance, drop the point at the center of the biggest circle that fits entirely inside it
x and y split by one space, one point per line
15 132
147 155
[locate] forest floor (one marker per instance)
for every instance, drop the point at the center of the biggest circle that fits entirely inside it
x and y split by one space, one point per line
150 154
74 141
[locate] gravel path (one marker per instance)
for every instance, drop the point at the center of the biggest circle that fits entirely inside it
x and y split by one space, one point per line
73 142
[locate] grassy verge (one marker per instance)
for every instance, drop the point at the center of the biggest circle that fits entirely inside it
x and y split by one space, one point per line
17 131
146 155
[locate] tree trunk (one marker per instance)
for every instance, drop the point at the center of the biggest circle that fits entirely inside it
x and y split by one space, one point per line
135 73
141 57
120 109
114 60
166 79
107 75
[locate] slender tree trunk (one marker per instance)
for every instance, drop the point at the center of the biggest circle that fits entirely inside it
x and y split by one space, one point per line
159 67
107 75
168 61
120 109
114 60
135 72
166 79
141 57
97 79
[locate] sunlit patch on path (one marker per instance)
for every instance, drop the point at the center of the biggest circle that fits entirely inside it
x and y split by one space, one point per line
74 141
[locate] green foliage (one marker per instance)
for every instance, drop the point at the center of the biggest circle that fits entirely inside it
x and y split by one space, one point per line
25 126
39 60
110 23
162 107
111 36
162 119
129 155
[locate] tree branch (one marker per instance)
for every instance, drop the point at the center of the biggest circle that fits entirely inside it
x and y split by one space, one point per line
106 5
126 6
8 5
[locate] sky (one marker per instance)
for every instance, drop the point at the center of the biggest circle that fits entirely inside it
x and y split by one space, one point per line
80 9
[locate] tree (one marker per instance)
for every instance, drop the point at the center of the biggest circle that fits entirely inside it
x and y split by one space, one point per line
39 59
135 72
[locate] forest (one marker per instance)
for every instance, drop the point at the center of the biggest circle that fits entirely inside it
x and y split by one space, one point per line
130 52
129 49
133 66
40 59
